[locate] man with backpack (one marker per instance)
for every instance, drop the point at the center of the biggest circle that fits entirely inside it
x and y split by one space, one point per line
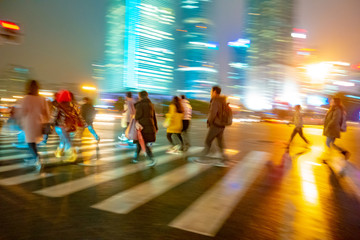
219 117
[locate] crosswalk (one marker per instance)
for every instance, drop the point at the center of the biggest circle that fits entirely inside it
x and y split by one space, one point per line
110 162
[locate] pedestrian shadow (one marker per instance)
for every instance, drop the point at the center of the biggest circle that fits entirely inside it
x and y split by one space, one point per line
348 207
278 171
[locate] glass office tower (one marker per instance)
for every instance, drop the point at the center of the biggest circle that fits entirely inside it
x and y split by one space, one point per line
139 48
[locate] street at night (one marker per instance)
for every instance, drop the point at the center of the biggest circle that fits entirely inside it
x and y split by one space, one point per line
264 194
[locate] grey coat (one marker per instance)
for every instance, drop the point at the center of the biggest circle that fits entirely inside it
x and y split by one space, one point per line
333 122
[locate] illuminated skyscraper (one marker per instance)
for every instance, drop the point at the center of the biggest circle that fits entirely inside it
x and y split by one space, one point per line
196 70
139 48
269 27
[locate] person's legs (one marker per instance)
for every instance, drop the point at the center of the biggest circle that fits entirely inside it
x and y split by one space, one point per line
293 134
300 130
169 138
212 133
186 124
181 141
93 132
33 150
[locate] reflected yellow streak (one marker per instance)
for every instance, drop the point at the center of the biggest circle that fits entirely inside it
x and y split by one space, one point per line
308 183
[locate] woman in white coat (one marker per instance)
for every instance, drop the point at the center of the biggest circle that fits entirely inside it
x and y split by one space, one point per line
34 112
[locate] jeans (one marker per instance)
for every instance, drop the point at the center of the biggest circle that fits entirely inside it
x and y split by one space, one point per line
92 131
65 142
330 142
184 133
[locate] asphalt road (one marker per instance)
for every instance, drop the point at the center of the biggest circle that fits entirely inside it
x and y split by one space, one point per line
267 192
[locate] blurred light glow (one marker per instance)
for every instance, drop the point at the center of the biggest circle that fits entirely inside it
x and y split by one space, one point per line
46 93
318 72
18 97
317 100
202 69
8 99
345 84
352 96
240 43
105 117
299 35
89 88
234 106
339 63
9 25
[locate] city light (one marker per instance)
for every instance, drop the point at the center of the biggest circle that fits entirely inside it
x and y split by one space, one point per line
344 84
299 35
9 25
89 88
240 43
318 72
18 97
49 94
8 99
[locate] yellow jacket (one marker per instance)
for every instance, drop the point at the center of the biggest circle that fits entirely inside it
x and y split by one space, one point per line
175 120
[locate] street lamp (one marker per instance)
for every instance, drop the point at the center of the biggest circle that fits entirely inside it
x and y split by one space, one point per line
89 88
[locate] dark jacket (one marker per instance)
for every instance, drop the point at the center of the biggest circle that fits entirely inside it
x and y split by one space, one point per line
88 113
145 115
332 122
217 105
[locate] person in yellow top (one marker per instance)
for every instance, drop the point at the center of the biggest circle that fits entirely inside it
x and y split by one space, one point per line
174 121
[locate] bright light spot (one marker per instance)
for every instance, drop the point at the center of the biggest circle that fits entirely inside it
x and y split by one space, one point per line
240 43
203 69
9 25
105 117
256 102
345 84
339 63
8 100
317 100
318 72
234 98
89 88
46 94
308 183
299 35
234 106
18 97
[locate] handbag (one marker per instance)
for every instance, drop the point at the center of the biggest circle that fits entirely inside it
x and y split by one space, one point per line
131 132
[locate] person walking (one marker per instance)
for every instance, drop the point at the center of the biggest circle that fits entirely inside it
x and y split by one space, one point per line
174 120
216 125
145 116
298 122
335 122
128 114
88 112
66 119
186 121
34 113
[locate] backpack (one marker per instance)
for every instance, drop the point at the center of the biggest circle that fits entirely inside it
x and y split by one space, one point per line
226 115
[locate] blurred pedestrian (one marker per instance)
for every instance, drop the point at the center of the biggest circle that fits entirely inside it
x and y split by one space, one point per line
145 116
298 122
216 125
128 114
66 119
34 113
186 121
88 112
175 125
335 122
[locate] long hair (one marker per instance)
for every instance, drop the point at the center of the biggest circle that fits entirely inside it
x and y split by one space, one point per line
176 102
32 88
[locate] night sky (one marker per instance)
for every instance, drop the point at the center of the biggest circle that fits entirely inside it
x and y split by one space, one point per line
64 37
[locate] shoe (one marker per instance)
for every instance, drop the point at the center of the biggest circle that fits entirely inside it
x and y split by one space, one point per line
71 155
135 160
171 150
59 152
346 155
221 164
152 162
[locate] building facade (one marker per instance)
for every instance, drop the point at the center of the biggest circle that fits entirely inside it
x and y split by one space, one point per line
139 46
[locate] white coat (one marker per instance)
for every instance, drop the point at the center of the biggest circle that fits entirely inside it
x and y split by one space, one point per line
33 113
